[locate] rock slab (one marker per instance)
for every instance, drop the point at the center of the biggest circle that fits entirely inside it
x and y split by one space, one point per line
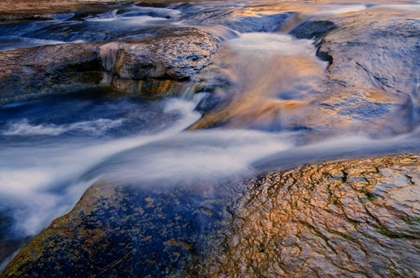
150 67
357 218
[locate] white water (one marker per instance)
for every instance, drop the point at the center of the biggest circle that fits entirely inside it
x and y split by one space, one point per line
134 20
41 180
96 127
340 9
30 174
193 156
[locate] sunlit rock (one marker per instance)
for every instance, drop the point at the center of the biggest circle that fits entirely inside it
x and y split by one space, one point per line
373 69
331 219
369 80
146 67
336 219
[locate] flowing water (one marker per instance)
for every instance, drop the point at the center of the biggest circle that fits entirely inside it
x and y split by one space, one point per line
53 148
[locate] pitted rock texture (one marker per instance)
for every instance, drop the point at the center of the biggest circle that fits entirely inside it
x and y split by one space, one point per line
45 9
357 218
154 66
122 231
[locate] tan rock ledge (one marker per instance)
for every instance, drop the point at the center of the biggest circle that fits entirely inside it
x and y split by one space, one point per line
153 67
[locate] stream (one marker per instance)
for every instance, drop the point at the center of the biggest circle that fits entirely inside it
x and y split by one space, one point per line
53 148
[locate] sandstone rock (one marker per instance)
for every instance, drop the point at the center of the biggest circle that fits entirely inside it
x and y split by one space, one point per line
149 67
313 29
49 69
335 219
371 81
126 231
373 73
46 9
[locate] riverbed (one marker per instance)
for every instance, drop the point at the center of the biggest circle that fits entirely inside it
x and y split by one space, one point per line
264 83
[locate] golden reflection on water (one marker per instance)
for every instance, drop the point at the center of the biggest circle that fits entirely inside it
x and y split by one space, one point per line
269 79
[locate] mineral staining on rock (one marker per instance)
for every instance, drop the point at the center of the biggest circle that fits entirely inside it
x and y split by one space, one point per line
335 219
127 231
150 67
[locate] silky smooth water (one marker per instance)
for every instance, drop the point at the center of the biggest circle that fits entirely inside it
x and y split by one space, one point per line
53 148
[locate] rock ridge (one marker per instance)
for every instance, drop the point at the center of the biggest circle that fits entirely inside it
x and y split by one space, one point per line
153 67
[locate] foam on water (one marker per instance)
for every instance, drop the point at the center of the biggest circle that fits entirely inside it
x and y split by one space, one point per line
155 12
272 44
96 127
342 147
135 16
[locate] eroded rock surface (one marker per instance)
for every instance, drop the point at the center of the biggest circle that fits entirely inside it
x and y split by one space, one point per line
337 219
127 231
372 80
374 58
355 218
153 66
45 9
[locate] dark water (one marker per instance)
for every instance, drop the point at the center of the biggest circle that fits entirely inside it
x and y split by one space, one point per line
53 148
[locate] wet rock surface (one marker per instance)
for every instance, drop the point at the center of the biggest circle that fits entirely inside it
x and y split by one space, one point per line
371 77
336 219
127 231
355 218
372 74
45 10
152 66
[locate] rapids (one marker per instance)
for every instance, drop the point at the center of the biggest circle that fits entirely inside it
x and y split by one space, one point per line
53 148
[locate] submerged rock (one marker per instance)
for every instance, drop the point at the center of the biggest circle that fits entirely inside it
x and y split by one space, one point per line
155 66
335 219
